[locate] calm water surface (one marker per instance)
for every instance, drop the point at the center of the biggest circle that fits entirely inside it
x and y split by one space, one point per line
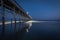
49 30
44 31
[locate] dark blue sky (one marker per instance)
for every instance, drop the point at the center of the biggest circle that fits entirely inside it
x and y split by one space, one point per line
42 9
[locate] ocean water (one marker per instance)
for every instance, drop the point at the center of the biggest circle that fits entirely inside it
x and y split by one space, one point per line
49 30
8 29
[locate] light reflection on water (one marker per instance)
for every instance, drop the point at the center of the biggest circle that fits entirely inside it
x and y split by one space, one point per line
10 29
40 31
44 31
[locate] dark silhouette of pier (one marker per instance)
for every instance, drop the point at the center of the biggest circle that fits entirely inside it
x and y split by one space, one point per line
14 8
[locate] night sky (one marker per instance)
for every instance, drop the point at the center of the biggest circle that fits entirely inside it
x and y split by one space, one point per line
42 9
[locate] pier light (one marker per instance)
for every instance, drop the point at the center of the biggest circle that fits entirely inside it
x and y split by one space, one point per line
27 12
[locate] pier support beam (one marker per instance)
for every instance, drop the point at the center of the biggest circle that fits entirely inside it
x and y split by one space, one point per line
11 26
15 20
3 19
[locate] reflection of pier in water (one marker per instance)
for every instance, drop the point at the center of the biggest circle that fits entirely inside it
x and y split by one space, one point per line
12 12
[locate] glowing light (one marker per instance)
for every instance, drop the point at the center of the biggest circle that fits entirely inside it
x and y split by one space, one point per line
9 22
30 23
27 12
27 30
